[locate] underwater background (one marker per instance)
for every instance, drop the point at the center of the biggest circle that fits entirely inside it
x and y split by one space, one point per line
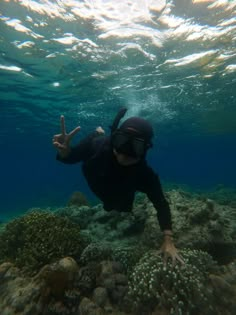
172 62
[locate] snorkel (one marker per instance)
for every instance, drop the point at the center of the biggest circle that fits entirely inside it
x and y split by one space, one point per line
121 113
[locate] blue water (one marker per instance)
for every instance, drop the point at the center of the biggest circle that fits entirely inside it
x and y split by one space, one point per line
172 62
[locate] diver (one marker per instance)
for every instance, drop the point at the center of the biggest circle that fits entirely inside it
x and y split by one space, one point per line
115 168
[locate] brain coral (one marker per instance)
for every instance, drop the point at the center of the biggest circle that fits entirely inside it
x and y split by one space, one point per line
179 289
38 238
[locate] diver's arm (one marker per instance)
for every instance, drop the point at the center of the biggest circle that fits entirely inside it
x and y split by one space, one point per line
80 152
155 194
68 154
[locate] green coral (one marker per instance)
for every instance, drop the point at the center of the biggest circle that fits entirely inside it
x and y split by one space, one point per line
38 238
128 256
81 215
179 289
96 252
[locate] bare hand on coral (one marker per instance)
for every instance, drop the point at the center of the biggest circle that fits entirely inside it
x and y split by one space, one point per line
169 251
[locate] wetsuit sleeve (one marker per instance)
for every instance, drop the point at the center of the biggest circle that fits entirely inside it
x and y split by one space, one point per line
152 187
81 152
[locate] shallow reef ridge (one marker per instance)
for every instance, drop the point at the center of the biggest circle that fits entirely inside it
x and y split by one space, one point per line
81 260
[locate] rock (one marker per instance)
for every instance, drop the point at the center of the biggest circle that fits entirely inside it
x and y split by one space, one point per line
106 269
220 285
59 276
19 294
121 279
210 204
104 216
68 265
4 268
78 199
88 307
86 279
109 283
118 293
100 296
117 267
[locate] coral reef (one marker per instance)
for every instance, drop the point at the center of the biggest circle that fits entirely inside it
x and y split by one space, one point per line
222 195
198 223
82 260
80 215
128 256
112 278
2 226
178 289
47 293
203 224
113 226
59 276
96 252
38 238
63 288
78 199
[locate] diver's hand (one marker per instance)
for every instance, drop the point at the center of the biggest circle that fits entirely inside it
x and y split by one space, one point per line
62 141
168 250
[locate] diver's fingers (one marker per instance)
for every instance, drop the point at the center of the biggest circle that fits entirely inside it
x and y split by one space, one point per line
57 137
74 131
174 260
180 259
60 147
63 126
165 257
57 145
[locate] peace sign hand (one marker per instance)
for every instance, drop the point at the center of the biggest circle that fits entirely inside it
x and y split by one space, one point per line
62 141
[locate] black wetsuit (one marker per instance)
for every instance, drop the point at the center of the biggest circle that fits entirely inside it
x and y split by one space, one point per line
115 184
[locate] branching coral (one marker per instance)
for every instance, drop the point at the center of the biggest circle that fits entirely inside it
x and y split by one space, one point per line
128 256
96 252
79 214
39 238
180 290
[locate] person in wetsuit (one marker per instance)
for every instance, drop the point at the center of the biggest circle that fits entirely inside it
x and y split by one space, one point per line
115 169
